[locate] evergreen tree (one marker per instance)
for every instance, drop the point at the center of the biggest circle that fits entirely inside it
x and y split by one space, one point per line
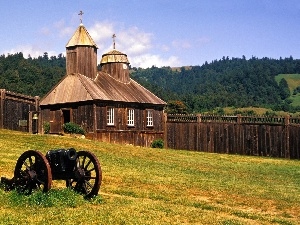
284 89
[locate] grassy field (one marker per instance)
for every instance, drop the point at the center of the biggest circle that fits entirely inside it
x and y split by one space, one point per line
293 81
156 186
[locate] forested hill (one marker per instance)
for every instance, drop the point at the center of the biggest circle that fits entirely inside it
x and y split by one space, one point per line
237 82
31 76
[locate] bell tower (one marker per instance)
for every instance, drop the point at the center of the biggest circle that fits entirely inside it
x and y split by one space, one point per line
81 53
116 64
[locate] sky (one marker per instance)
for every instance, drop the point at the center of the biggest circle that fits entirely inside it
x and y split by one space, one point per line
156 32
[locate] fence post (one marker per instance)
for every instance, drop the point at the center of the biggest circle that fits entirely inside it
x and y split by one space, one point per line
38 121
239 144
2 98
239 119
287 136
198 132
165 130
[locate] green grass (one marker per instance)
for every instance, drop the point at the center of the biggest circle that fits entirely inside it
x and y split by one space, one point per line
293 81
156 186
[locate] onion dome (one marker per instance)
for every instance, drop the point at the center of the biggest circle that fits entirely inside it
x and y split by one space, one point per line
116 64
114 56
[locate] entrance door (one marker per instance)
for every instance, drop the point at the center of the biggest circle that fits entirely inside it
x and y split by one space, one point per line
55 122
66 116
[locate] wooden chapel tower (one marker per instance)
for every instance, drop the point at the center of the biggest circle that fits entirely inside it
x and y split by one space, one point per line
81 53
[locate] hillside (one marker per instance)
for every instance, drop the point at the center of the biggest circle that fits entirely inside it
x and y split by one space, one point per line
211 87
235 82
31 76
293 81
156 186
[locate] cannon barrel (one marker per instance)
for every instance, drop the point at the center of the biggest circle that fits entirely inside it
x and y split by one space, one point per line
62 160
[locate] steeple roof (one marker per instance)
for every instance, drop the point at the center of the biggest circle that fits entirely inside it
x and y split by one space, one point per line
114 56
81 37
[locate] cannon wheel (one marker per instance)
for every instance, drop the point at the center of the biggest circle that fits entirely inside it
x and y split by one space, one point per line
88 175
32 172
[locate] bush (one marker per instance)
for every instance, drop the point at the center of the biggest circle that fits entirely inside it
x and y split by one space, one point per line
46 127
72 128
159 143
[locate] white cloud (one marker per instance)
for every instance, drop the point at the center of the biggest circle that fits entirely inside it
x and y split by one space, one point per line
136 43
33 51
148 60
132 41
101 31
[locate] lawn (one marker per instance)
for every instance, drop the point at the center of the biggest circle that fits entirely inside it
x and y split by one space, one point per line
156 186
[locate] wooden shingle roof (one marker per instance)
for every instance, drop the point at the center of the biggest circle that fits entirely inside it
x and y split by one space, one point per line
81 37
79 88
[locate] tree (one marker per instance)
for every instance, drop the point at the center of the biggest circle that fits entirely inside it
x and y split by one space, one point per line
176 107
284 90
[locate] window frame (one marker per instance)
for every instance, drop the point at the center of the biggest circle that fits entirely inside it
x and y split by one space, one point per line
110 116
130 117
149 118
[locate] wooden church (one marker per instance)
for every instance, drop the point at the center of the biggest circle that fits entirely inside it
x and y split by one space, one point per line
107 104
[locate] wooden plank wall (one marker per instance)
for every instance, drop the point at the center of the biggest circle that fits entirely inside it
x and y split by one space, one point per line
280 137
16 111
83 60
120 132
136 138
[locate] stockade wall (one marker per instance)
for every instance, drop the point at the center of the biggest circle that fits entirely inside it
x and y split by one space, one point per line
17 111
244 135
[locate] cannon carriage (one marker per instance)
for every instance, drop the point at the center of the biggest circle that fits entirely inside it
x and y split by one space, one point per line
33 171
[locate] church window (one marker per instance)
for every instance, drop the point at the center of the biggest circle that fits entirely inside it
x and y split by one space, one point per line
110 116
149 118
130 117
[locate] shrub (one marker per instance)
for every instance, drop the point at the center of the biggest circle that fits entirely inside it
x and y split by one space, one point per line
159 143
46 127
73 128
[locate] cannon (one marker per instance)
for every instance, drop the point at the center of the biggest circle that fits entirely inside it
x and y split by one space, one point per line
33 171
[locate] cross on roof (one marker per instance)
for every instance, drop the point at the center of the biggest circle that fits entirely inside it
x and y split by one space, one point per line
114 40
80 14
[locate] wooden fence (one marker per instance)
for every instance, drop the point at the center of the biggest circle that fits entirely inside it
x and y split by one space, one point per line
18 112
244 135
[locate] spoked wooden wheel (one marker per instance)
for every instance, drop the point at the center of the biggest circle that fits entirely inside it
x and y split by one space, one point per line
88 175
32 172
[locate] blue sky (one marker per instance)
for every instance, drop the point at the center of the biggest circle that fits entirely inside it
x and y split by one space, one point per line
156 32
